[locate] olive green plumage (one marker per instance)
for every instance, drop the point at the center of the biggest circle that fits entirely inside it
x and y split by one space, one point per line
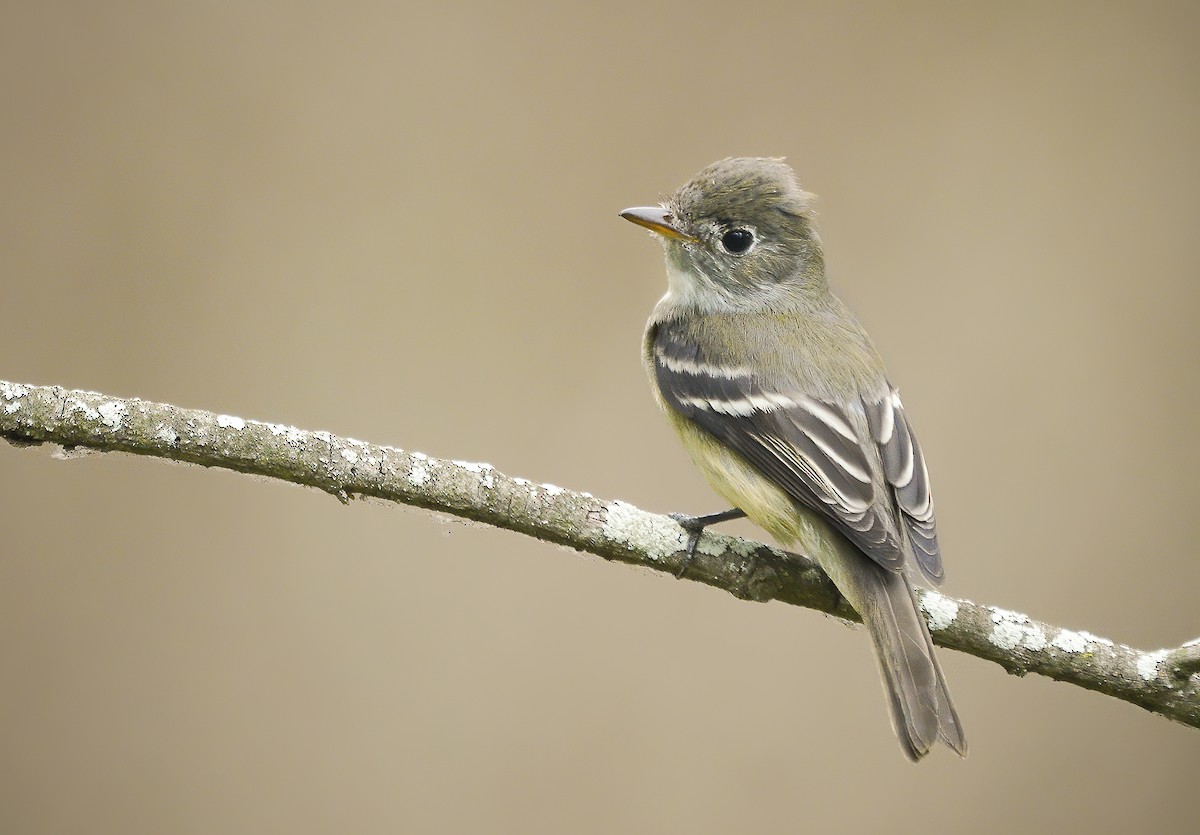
783 403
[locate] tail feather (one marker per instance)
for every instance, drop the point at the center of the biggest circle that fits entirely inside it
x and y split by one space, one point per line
922 712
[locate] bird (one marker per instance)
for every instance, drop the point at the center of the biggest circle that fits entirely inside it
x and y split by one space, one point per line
782 401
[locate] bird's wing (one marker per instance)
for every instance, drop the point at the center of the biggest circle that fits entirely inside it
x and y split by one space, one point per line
906 474
819 452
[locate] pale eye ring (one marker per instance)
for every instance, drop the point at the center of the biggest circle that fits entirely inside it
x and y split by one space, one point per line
737 241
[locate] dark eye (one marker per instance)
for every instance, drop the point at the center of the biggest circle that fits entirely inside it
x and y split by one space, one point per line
737 241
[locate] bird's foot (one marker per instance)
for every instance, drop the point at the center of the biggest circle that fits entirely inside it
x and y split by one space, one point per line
695 526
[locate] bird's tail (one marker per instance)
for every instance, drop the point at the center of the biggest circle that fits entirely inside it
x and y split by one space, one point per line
916 690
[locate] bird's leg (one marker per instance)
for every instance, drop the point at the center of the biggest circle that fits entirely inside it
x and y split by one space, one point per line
695 526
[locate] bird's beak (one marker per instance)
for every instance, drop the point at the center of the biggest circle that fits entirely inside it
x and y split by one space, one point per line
657 220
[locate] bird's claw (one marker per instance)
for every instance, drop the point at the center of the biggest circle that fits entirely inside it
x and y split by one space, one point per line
695 525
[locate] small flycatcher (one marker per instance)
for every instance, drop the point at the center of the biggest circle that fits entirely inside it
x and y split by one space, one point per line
783 403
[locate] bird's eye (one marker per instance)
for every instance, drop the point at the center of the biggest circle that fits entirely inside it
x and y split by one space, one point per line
737 241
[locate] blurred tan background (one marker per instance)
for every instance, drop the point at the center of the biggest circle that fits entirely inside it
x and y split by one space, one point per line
399 223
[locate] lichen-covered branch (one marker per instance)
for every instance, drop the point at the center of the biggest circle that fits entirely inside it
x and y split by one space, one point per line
1165 681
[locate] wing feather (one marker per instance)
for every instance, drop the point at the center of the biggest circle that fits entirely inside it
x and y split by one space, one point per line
811 448
904 468
807 446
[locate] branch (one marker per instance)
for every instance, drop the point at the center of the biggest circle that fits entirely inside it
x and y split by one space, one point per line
1165 681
